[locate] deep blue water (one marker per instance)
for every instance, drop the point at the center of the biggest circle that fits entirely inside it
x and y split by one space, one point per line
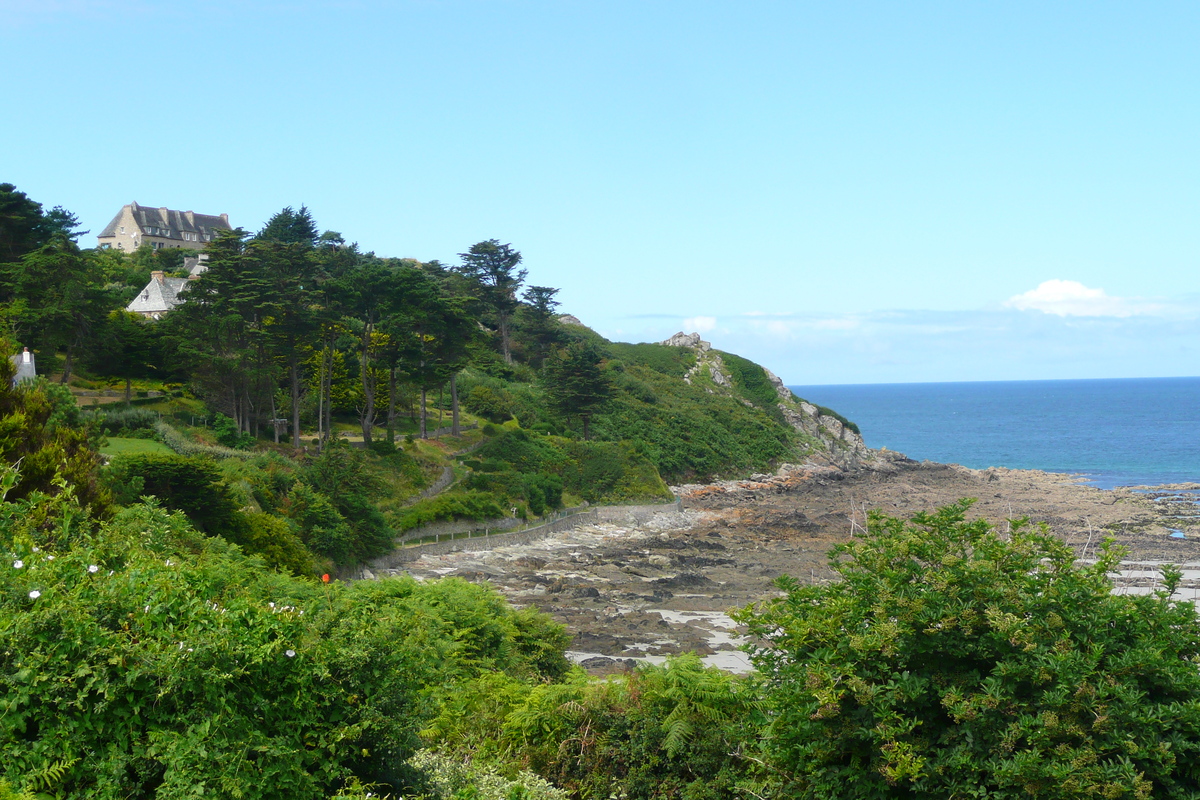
1121 432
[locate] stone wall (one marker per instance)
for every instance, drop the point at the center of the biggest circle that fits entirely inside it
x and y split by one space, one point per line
403 555
572 519
444 480
457 526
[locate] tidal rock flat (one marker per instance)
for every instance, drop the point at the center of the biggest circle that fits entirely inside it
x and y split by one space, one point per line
666 586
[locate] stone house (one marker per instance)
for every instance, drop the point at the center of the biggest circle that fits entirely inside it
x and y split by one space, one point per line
164 293
24 367
136 225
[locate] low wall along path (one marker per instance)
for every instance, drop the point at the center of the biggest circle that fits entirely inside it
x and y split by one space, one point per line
477 535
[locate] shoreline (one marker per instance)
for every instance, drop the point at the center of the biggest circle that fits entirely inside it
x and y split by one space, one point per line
639 591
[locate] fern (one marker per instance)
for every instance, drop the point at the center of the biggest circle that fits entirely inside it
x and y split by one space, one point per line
52 774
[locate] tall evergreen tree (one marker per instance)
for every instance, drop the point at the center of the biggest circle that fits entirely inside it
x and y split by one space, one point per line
493 268
540 327
576 383
23 225
219 331
290 227
56 297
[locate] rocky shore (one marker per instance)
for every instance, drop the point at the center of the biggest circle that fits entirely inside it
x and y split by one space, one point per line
644 591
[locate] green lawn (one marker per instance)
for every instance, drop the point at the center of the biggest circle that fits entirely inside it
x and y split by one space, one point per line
116 447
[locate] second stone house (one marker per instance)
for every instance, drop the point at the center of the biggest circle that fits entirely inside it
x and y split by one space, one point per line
163 293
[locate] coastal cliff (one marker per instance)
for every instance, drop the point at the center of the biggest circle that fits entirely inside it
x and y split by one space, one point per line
824 437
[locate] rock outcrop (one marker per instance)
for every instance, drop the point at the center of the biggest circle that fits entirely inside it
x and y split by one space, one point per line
833 442
844 447
707 361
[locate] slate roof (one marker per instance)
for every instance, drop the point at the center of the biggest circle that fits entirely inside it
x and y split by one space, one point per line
158 297
195 266
174 223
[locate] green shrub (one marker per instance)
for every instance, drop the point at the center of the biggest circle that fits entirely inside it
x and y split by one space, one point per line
322 528
952 659
453 778
40 429
187 447
120 420
382 447
470 505
274 540
488 402
676 731
829 412
172 672
188 484
751 380
671 361
343 475
197 487
228 434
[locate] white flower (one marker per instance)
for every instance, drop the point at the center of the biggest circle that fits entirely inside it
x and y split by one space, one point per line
92 568
49 558
290 653
146 609
36 550
35 594
168 562
18 564
272 605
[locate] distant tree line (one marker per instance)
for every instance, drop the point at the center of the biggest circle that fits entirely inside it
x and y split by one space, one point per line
288 326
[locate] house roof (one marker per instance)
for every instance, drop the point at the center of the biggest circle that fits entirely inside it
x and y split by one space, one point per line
160 295
174 222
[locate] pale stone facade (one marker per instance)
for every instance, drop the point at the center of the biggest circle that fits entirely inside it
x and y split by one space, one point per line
136 225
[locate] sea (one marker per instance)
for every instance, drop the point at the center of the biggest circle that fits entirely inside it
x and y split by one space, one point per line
1113 432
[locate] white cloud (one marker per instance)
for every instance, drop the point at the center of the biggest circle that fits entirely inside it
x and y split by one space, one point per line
700 324
1073 299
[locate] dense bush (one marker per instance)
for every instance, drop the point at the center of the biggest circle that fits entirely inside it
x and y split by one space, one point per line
343 475
670 361
674 731
147 660
595 471
196 487
956 660
471 505
227 433
541 492
121 420
173 673
751 382
690 434
188 484
40 429
322 528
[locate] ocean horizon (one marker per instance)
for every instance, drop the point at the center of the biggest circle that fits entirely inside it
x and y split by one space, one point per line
1112 431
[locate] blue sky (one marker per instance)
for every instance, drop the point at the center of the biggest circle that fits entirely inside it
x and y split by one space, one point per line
845 192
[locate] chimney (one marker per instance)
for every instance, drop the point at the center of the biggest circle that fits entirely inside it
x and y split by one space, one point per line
191 217
225 219
157 275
